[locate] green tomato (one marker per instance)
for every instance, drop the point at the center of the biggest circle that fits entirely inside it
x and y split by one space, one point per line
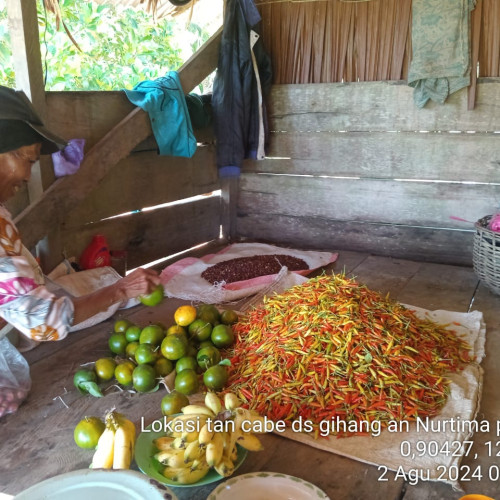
153 298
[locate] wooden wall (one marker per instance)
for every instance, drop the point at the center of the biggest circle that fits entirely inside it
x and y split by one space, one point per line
357 166
143 179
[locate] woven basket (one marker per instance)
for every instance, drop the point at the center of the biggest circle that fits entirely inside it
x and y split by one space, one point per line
486 255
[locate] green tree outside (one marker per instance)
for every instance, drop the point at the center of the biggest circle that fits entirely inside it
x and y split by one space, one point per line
119 47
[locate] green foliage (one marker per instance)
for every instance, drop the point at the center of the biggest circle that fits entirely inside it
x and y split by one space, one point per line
119 47
7 76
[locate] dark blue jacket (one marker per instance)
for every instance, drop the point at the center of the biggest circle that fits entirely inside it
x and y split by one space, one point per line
235 99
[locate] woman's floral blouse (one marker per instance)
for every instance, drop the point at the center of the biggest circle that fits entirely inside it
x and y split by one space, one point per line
24 302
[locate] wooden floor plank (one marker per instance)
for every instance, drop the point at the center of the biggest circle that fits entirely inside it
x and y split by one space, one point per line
385 274
438 286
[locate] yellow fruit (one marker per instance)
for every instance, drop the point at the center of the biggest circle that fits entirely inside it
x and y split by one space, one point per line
184 315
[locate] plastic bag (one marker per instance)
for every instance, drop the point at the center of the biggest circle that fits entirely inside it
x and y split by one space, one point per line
15 381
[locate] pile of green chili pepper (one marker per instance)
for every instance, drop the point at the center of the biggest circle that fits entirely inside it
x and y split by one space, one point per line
333 348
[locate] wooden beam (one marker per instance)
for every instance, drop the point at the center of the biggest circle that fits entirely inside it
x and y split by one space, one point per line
27 59
26 55
67 192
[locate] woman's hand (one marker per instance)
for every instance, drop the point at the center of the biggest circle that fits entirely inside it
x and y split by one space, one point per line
138 282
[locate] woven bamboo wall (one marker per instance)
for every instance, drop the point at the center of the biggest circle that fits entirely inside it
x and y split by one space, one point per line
326 41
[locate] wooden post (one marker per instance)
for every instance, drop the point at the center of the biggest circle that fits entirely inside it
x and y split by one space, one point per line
23 29
229 198
27 58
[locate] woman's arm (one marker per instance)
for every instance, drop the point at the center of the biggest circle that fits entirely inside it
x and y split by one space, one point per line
139 282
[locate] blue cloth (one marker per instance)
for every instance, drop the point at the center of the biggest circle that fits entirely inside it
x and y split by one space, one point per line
163 99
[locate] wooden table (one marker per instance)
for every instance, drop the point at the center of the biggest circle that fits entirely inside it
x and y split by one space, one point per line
37 441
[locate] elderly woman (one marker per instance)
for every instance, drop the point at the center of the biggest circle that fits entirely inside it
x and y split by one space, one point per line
24 301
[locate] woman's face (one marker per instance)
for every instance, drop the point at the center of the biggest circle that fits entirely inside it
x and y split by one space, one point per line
15 169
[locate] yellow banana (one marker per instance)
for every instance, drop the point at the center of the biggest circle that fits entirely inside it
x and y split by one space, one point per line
187 427
190 476
231 401
184 418
171 458
197 410
172 472
123 440
103 456
123 447
215 449
189 437
227 440
212 401
230 443
178 444
238 420
193 451
225 467
254 422
164 442
206 435
249 441
234 454
199 463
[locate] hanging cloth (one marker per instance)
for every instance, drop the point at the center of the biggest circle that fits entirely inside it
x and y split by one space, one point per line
242 81
163 99
441 50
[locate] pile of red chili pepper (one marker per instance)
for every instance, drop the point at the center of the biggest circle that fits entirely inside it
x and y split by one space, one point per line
332 348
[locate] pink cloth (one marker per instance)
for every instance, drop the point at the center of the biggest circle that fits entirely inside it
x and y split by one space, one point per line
495 223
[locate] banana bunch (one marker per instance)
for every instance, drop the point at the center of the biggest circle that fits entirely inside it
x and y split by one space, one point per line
115 448
189 454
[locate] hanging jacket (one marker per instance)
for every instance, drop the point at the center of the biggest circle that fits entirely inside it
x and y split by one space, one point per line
242 81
